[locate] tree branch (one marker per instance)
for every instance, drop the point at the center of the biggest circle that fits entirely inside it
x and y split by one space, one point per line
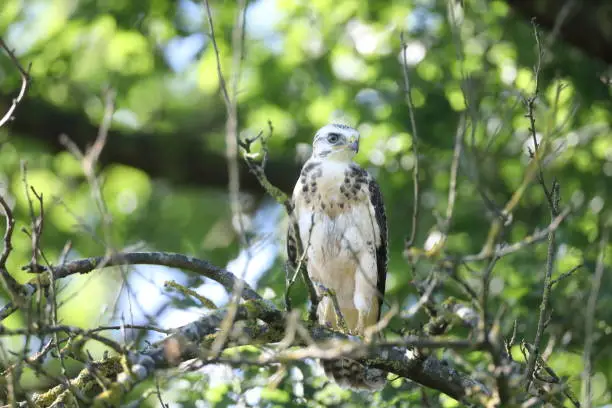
415 149
258 169
81 266
192 341
586 394
9 283
25 82
256 322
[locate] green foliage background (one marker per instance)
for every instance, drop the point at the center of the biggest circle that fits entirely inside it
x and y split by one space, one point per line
305 64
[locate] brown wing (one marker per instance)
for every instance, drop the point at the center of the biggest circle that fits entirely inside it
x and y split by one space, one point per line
381 251
292 245
381 219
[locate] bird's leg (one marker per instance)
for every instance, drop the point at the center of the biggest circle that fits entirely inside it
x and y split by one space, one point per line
363 305
361 321
331 294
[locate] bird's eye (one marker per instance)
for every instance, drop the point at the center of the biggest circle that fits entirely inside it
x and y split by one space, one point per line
333 137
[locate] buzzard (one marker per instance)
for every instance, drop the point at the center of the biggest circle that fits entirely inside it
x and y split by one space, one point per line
343 229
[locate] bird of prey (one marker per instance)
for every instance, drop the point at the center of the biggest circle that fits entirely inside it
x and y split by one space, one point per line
342 225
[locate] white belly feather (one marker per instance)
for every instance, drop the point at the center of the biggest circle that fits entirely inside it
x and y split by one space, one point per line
341 243
335 247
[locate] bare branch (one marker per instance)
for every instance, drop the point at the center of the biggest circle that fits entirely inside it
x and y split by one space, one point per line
484 302
452 189
552 198
231 141
90 159
191 341
415 148
258 170
231 106
25 82
589 324
566 275
538 236
73 331
10 284
398 359
207 303
81 266
36 221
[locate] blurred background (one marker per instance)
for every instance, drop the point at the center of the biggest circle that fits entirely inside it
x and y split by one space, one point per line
163 175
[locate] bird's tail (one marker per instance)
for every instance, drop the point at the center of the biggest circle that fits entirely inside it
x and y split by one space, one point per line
346 372
349 373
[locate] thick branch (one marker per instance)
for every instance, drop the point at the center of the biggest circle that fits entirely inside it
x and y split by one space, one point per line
259 322
190 341
199 266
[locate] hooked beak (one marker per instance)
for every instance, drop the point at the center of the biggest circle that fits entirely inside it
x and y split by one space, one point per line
354 145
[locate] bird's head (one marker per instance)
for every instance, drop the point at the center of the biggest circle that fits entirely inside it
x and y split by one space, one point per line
336 142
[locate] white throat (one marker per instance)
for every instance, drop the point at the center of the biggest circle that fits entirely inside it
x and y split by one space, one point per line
340 156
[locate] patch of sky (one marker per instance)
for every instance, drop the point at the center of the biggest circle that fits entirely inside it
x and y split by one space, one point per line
147 282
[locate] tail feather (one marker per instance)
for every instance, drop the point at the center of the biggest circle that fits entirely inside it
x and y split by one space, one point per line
349 373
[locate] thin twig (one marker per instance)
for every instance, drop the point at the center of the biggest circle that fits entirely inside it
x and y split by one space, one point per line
300 265
566 274
331 294
530 103
213 40
415 147
425 297
8 234
131 326
88 334
90 159
33 359
484 302
534 238
10 284
552 379
258 170
550 261
589 325
231 145
25 83
38 223
452 188
380 325
552 198
231 106
207 303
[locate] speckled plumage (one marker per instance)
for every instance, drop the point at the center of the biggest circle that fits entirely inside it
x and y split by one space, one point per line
342 226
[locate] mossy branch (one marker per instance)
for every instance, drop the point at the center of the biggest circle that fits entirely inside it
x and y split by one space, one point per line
257 322
257 168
